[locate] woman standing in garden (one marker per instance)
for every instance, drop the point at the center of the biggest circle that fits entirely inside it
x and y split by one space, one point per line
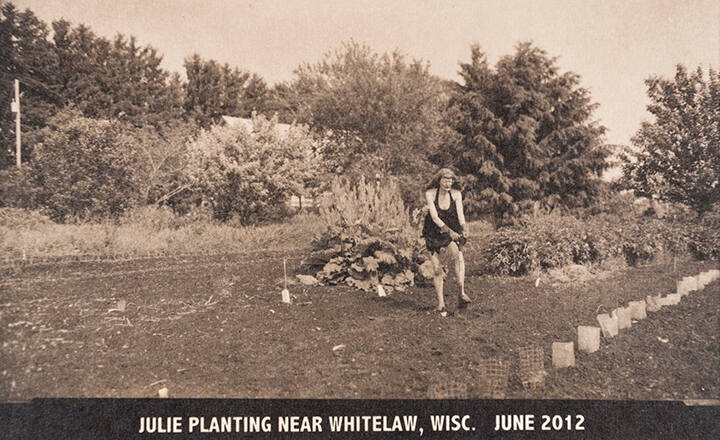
445 227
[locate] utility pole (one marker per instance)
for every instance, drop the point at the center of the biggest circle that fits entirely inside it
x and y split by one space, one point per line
16 108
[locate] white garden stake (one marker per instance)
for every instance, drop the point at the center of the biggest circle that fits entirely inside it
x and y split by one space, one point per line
381 290
285 292
163 392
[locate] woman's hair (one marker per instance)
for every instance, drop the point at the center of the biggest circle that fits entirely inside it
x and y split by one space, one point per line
443 172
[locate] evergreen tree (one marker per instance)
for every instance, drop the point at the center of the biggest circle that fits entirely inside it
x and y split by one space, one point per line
279 103
113 79
213 90
27 55
255 96
527 136
677 156
103 79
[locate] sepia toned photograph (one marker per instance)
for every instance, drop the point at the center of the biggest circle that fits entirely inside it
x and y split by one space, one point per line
360 200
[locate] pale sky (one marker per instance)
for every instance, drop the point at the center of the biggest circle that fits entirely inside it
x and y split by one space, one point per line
613 44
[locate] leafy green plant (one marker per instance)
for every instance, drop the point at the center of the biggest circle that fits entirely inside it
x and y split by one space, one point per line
368 238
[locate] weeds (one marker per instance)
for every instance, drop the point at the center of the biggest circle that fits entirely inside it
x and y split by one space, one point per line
150 231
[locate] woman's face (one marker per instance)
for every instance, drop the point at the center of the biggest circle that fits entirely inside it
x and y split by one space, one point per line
446 183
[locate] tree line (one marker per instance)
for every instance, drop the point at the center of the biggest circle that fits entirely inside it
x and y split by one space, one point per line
521 133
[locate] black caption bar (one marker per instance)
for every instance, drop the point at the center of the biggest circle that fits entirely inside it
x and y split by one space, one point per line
315 419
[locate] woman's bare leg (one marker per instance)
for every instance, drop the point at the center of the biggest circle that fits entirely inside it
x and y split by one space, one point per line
438 280
459 261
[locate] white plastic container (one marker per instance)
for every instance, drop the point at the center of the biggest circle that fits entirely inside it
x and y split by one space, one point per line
637 309
563 354
588 338
623 317
608 325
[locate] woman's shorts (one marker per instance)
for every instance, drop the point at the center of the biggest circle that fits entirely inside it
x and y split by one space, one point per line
435 243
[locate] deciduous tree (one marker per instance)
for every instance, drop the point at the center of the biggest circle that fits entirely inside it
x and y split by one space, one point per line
677 156
386 114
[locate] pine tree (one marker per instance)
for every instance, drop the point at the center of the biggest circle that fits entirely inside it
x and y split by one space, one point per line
115 79
527 134
27 56
213 90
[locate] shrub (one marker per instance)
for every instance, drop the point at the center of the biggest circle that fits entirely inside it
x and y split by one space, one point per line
369 238
154 218
546 241
162 170
611 201
704 239
537 242
642 240
249 175
84 168
16 188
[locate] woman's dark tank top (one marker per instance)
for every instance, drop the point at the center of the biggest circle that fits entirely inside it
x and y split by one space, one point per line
448 216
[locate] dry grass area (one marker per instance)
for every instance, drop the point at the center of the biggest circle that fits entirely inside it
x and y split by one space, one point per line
143 237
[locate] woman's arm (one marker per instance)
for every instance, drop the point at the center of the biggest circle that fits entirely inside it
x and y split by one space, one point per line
460 212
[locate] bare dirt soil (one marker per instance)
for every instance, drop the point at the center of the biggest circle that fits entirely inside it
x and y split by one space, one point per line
214 326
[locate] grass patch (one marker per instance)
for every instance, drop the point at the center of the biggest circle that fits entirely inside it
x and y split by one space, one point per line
151 233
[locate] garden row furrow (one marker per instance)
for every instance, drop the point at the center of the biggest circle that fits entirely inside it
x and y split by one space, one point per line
193 266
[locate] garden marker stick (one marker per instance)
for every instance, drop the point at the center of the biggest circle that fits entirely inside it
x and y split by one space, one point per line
285 292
